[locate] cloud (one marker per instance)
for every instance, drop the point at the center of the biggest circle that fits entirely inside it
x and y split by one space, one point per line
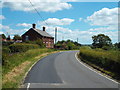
4 27
56 21
7 30
104 17
24 24
85 37
2 17
40 5
80 19
107 20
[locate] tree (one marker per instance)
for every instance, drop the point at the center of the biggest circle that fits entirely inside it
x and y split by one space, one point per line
17 37
101 40
117 45
8 38
3 36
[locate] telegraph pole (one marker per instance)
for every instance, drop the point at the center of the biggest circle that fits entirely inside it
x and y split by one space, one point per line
77 40
55 35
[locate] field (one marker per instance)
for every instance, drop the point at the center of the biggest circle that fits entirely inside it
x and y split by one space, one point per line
108 61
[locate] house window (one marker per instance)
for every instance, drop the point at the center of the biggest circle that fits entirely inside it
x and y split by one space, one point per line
26 38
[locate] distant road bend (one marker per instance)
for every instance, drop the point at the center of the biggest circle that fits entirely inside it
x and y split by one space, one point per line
63 70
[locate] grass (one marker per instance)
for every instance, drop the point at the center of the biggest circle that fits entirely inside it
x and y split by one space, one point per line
105 61
18 64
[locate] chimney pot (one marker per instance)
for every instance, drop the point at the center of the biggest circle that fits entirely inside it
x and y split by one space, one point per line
33 25
43 28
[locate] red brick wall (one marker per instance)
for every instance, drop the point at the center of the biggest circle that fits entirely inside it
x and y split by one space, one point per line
32 36
49 42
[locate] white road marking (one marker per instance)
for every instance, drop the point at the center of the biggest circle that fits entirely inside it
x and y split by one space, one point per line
28 86
94 70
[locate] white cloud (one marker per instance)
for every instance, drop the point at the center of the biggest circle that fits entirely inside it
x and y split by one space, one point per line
1 32
40 5
7 30
24 24
107 19
56 21
80 19
2 17
104 17
4 27
85 37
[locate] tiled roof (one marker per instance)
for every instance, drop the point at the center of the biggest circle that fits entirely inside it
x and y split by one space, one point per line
43 33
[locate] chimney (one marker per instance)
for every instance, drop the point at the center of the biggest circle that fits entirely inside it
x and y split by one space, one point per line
43 28
33 25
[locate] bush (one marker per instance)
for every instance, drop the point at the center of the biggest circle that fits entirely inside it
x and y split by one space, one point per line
22 47
6 43
108 60
5 50
106 47
38 42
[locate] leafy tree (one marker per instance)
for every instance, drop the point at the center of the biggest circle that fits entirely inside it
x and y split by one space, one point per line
17 37
117 45
101 40
68 45
3 36
8 38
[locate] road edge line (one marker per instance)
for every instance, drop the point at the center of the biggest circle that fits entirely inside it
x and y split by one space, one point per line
94 70
28 86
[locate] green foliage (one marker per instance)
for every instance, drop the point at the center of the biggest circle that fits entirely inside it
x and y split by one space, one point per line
22 47
101 40
5 50
67 45
109 60
14 60
117 45
106 48
17 37
10 61
3 36
38 42
6 43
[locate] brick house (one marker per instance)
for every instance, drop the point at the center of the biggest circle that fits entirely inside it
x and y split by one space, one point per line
33 34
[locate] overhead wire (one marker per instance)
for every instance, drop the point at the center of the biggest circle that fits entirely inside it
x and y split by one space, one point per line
38 13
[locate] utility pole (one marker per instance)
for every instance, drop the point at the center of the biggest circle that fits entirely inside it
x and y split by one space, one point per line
77 40
55 35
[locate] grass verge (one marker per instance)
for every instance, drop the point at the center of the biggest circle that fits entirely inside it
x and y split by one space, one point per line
19 64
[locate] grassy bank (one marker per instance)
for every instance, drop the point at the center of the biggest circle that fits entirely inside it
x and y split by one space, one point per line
18 64
106 61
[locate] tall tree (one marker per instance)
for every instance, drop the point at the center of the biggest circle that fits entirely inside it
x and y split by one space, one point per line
3 36
101 40
17 37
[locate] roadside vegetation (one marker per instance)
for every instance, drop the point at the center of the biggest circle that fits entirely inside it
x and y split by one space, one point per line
18 64
17 58
102 55
67 45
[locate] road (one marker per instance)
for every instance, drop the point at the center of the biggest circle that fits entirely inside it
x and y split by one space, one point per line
63 70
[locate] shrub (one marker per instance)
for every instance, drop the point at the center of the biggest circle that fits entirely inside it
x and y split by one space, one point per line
108 60
5 50
38 42
6 43
106 47
22 47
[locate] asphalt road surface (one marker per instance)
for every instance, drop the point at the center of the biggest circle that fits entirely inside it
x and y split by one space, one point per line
63 70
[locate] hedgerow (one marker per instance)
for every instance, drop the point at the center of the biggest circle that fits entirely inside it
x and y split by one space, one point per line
108 60
22 47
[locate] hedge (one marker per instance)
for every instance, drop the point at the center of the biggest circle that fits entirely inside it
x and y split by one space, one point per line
22 47
108 60
5 50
